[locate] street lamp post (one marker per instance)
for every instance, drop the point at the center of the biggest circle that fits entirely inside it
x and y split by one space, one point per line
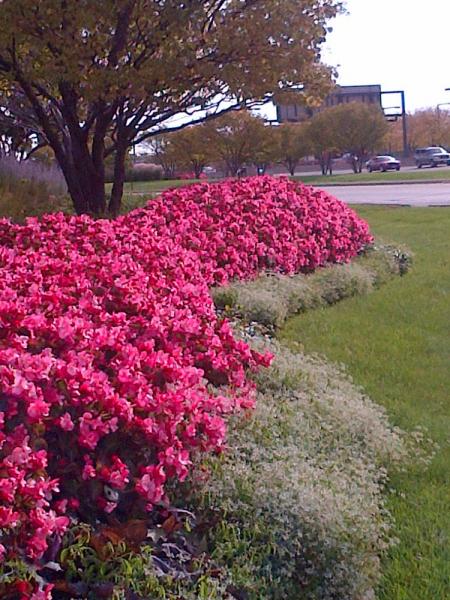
405 136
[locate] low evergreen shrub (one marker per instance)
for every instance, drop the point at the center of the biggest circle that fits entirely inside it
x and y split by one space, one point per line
30 188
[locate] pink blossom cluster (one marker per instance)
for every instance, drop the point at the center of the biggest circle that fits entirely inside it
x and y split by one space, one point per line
115 370
239 228
25 488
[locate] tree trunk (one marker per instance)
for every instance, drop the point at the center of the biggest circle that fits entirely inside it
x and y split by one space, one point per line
234 167
86 185
115 201
85 161
291 165
198 170
360 162
169 170
330 164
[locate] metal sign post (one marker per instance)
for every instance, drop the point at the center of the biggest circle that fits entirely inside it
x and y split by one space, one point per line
403 115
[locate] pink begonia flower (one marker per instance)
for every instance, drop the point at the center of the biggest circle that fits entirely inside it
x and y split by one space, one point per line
8 517
89 471
118 474
19 455
43 594
73 503
37 410
150 485
65 422
21 385
176 461
37 544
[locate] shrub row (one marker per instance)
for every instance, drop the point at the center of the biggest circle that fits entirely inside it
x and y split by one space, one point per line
271 298
138 172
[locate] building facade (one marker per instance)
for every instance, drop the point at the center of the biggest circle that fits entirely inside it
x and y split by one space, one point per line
369 94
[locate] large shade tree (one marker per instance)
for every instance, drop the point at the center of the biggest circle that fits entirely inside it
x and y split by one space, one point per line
165 154
426 127
355 128
96 77
264 149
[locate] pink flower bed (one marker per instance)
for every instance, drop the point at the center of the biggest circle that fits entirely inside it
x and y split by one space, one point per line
239 228
114 368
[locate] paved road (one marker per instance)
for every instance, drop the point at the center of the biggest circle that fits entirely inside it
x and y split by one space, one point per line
349 171
419 194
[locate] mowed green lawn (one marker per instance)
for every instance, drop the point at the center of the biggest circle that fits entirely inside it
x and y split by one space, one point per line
396 344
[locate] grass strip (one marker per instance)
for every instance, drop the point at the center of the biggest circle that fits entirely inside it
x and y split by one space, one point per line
396 344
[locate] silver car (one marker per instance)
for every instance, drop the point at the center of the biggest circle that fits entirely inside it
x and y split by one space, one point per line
431 156
383 163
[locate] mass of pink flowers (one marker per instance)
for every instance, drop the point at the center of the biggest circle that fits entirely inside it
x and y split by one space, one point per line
242 227
115 371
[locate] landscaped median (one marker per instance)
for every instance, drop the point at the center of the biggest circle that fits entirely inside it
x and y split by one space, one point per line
119 381
151 188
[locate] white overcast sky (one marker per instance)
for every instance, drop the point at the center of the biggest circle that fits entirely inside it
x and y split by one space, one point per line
400 44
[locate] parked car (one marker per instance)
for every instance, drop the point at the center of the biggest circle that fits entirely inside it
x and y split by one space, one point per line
383 163
431 156
210 171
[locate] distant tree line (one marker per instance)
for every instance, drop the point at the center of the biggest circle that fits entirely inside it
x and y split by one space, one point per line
239 139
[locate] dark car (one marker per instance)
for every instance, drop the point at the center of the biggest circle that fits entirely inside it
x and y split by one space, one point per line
383 163
431 156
